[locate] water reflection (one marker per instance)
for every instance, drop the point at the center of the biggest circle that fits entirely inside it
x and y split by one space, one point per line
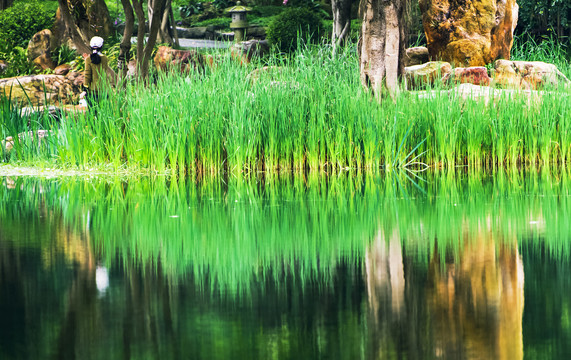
346 268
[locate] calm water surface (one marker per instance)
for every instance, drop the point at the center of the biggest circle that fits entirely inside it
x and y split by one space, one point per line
342 267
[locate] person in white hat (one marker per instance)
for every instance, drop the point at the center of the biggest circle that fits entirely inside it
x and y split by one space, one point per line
96 65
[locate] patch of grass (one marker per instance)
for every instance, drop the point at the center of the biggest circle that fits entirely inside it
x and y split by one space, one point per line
311 114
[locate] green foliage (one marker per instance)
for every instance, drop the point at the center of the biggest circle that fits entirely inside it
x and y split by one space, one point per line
64 55
16 59
545 17
20 22
292 26
217 23
545 48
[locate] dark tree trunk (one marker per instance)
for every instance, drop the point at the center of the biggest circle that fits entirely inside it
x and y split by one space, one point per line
5 4
382 44
125 46
80 20
153 31
341 20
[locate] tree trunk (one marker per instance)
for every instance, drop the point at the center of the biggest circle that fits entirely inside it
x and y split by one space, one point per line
153 31
79 20
382 45
5 4
125 46
341 20
164 31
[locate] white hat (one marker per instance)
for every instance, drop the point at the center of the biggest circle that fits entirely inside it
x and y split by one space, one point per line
96 42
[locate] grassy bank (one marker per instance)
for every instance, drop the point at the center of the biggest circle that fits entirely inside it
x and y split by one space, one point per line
312 115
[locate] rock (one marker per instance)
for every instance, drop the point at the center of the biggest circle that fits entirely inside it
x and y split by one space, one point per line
416 56
528 75
75 78
477 75
246 50
40 45
418 76
256 32
44 62
3 66
267 72
38 90
469 32
192 33
8 143
484 94
63 69
183 60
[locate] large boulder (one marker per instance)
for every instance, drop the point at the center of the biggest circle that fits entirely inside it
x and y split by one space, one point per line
469 32
41 90
528 75
39 50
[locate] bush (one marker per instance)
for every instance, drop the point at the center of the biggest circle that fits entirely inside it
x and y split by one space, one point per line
20 22
285 28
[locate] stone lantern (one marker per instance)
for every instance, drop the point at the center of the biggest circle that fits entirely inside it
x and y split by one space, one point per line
239 23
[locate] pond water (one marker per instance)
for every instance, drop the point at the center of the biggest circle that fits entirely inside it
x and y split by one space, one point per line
439 266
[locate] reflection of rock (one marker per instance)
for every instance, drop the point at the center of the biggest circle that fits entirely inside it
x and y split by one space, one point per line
469 32
476 301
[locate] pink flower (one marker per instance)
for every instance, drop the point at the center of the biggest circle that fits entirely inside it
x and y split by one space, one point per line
285 2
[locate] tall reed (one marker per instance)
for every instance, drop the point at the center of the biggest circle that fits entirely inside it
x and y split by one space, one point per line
312 114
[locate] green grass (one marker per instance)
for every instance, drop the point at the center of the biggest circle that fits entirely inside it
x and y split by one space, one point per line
313 115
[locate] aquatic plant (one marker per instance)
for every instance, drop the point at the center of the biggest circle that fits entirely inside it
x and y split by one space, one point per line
309 114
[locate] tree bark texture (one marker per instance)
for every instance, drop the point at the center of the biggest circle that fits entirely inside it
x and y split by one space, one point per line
341 20
125 46
80 20
143 61
382 44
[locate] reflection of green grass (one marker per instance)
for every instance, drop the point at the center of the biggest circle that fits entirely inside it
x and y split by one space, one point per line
233 233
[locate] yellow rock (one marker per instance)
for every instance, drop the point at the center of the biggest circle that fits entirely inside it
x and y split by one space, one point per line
469 32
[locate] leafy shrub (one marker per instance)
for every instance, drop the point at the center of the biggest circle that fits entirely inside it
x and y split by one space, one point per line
217 23
17 60
285 28
20 22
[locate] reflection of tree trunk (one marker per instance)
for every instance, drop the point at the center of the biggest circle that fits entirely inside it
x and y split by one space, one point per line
385 273
477 302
